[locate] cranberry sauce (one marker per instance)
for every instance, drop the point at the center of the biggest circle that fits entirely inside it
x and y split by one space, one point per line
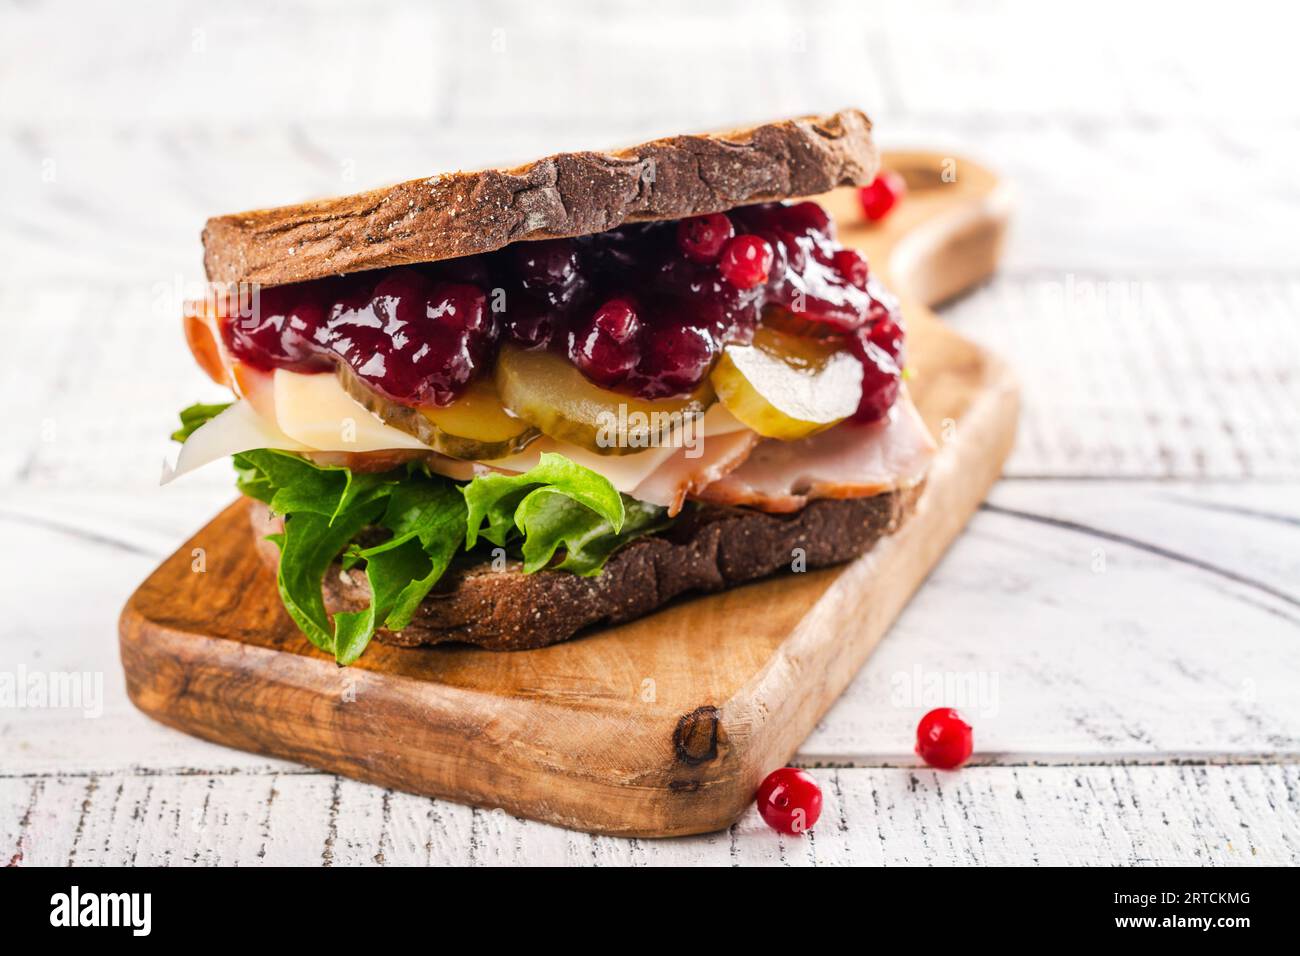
643 309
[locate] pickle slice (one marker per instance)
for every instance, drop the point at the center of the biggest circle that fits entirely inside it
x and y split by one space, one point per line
786 386
546 390
475 427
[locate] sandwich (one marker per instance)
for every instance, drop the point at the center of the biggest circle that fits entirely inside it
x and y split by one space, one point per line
501 407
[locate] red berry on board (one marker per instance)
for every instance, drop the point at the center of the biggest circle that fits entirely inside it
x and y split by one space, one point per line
943 739
702 237
746 261
881 196
789 800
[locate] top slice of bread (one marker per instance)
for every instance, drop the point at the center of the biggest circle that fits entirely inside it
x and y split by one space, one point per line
569 194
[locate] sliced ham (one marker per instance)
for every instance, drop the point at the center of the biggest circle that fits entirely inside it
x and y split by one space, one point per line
847 461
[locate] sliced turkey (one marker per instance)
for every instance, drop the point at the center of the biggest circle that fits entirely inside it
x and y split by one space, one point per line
847 461
681 475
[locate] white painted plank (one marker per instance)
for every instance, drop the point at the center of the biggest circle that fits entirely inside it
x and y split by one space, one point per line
17 801
1063 816
236 62
1135 620
1133 378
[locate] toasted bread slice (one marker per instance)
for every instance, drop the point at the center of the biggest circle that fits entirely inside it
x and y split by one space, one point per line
569 194
709 549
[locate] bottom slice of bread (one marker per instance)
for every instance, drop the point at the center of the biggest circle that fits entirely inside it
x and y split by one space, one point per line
708 549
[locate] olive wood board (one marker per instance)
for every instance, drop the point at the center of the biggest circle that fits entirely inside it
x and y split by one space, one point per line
659 727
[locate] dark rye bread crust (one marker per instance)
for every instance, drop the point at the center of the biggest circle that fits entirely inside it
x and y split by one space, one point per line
569 194
709 549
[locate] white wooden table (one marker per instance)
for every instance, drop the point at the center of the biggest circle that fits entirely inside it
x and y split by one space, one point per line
1121 623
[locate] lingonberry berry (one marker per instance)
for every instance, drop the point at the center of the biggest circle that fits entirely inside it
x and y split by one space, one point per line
789 800
851 266
675 358
943 739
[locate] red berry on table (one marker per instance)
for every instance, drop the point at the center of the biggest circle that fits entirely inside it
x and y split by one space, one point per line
881 196
702 237
943 739
789 800
746 261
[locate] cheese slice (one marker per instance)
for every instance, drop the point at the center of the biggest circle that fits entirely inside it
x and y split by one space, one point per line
316 411
303 413
238 428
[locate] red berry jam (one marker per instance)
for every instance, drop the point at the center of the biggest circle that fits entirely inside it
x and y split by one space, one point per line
943 739
789 800
607 347
644 309
880 378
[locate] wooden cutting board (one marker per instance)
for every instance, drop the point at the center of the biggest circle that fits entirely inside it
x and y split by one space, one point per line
660 727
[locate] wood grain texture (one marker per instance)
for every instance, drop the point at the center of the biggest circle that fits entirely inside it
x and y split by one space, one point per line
658 727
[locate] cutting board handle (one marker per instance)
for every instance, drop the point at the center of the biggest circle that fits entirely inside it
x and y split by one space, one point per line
943 238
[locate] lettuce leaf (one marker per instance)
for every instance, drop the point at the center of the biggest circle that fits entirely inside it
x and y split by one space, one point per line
552 520
297 485
308 547
502 500
558 515
427 518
